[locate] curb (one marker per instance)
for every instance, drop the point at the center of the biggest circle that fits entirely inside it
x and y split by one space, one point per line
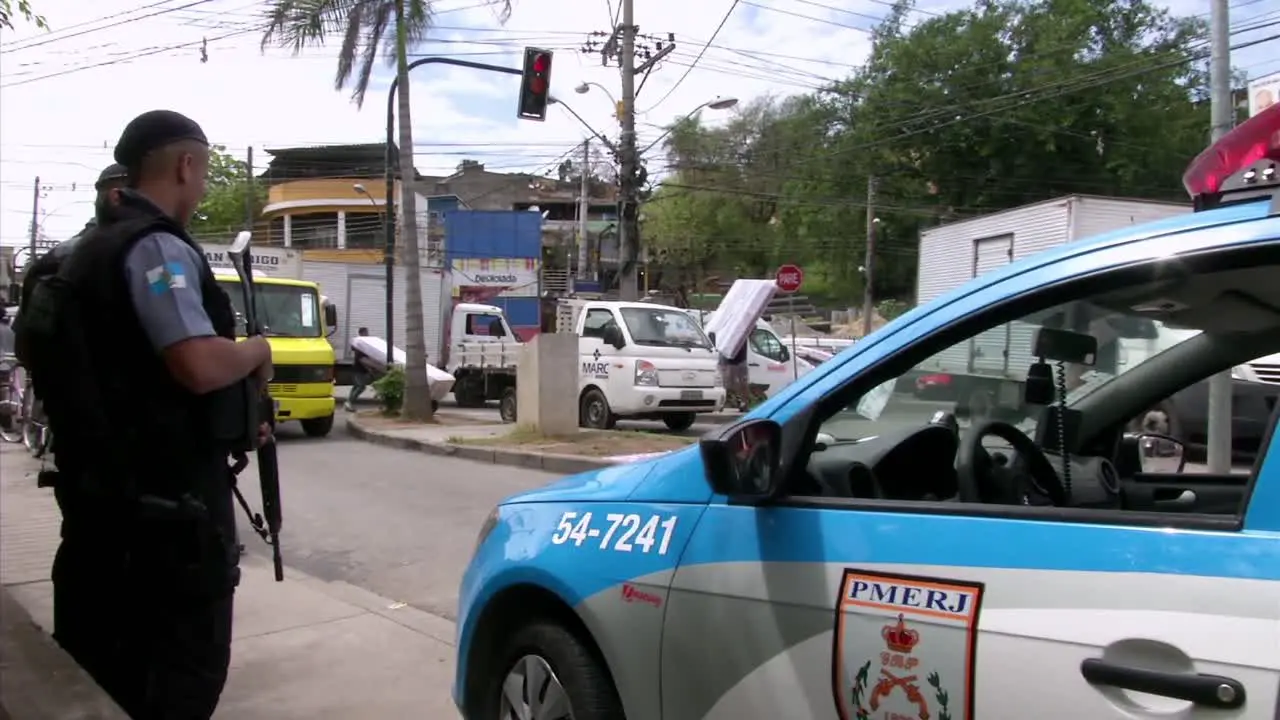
549 462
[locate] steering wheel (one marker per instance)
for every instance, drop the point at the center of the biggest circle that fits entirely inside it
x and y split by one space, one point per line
980 480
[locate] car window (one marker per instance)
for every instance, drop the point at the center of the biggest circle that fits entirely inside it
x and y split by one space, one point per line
596 321
660 327
1161 328
983 375
766 343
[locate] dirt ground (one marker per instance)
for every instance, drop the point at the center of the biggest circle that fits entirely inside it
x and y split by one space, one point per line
592 443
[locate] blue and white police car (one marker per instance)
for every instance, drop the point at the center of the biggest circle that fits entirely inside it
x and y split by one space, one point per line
850 552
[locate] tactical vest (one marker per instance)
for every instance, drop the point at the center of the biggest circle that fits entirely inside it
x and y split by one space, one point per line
153 417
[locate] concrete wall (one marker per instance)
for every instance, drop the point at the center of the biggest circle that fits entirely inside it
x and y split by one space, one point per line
547 375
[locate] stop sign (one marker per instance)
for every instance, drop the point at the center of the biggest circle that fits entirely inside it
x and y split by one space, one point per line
789 277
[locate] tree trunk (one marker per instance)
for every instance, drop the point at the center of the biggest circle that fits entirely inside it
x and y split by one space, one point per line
417 393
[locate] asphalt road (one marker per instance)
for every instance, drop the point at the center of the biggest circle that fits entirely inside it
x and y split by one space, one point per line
399 523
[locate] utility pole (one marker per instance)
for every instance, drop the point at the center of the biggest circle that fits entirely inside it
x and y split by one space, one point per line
584 207
1221 113
628 222
868 263
35 220
249 194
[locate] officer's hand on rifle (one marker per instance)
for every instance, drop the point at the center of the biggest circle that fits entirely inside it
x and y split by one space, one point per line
264 434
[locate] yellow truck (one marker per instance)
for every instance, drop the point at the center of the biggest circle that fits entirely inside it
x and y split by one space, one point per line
297 325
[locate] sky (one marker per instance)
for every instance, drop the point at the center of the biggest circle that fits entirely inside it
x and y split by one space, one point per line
66 94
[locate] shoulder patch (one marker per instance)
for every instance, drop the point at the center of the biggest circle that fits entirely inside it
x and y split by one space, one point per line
904 646
166 277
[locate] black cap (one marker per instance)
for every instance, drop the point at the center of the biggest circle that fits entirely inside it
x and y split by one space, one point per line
153 130
114 171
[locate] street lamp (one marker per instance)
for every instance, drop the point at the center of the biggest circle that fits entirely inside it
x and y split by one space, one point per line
553 100
584 87
717 104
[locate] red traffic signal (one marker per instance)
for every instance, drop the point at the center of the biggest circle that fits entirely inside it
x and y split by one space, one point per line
535 85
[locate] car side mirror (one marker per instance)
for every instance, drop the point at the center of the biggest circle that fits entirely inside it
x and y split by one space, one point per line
331 316
612 335
1161 454
743 460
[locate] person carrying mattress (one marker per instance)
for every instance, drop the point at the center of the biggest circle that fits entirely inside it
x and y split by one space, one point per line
367 371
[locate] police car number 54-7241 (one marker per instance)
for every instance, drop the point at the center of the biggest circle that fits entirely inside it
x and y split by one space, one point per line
620 532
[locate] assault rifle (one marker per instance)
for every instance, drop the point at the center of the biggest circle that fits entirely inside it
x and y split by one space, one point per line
259 409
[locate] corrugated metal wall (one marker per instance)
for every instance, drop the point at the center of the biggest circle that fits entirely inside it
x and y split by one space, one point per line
492 234
954 254
1095 215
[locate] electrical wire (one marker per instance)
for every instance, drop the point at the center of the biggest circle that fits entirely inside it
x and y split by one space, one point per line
688 70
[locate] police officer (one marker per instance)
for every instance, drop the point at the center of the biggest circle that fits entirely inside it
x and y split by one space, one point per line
110 182
146 572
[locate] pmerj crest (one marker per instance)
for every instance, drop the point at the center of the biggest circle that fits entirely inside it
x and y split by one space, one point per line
904 648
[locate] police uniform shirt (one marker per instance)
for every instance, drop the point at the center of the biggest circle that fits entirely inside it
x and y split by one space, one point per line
163 275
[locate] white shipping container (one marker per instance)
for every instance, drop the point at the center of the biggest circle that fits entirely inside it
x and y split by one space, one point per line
359 292
953 254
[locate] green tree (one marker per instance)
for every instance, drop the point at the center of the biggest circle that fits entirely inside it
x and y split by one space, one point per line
230 198
24 9
367 27
968 112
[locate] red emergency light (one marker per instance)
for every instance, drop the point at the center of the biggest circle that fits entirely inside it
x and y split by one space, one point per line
1257 138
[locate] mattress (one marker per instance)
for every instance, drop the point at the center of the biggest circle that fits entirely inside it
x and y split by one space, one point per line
375 348
736 317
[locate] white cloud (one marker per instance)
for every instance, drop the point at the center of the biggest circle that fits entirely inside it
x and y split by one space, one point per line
62 127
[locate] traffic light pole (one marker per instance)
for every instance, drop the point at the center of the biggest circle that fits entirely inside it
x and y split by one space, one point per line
629 225
389 248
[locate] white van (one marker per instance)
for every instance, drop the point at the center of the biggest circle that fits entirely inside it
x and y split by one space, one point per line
641 361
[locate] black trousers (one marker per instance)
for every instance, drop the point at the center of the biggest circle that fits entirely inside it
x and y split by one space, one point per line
160 656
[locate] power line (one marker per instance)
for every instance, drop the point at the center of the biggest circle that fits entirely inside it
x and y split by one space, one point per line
688 70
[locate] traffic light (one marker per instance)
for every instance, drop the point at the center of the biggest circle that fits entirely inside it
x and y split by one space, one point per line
535 85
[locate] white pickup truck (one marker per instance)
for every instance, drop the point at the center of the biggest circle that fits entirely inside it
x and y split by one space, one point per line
641 361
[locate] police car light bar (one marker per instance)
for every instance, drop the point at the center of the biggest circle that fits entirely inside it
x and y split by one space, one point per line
1256 139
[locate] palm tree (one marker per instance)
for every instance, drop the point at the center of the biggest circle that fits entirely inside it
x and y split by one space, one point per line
367 26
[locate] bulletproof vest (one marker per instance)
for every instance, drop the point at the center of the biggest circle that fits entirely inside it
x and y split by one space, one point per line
150 414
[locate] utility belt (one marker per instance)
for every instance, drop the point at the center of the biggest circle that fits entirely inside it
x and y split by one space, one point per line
170 547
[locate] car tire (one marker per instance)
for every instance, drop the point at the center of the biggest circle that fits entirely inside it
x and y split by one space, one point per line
548 652
317 427
507 405
678 422
594 411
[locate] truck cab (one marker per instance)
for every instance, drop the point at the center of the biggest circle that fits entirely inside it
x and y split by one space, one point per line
297 324
641 361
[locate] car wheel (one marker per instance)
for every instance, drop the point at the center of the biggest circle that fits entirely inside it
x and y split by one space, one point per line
544 672
678 422
594 412
317 427
507 406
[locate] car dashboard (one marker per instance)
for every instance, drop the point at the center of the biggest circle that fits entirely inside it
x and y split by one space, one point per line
919 464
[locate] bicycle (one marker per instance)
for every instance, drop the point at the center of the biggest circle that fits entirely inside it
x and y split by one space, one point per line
21 419
36 434
11 400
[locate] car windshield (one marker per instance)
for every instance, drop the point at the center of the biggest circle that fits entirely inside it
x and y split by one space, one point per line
283 310
663 327
983 375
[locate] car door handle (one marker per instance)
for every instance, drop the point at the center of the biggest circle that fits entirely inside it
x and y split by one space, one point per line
1212 691
753 364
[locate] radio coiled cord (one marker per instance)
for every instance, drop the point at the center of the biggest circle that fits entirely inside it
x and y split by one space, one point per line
1062 428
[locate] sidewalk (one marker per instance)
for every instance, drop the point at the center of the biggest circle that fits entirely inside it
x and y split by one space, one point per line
440 440
304 648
